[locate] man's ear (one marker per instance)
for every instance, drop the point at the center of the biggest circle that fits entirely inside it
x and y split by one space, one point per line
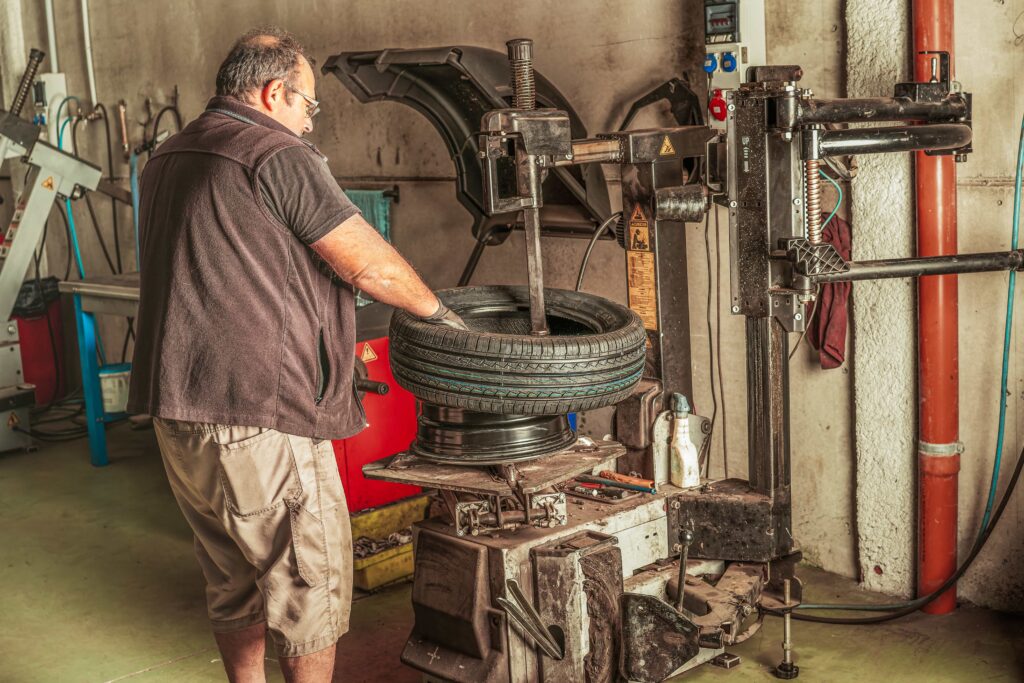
273 94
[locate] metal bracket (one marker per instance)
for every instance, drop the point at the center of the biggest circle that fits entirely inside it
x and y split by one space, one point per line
536 133
940 449
554 505
477 516
814 259
726 660
467 516
635 416
939 88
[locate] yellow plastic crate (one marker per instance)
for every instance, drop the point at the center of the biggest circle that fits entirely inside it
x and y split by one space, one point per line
391 564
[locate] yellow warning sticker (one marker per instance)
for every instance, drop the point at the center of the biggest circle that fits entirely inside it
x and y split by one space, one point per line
641 283
368 355
666 148
639 237
48 183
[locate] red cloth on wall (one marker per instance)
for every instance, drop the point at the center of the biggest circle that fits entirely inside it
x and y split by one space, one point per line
827 332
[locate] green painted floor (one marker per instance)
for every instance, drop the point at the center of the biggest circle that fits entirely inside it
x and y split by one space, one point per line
98 583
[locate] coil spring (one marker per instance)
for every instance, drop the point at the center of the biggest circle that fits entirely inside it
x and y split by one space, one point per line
524 95
812 203
520 57
35 58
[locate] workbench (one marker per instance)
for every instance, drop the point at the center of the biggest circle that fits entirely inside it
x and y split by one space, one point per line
104 295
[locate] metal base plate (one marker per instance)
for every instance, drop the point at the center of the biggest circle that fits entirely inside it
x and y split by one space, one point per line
535 475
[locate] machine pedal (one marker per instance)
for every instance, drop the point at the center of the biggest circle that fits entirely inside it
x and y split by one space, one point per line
726 660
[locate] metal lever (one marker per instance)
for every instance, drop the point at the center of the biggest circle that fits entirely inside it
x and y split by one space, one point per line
372 387
521 610
687 538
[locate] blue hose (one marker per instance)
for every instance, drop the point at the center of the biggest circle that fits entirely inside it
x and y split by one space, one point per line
133 179
60 108
79 265
839 200
1001 438
74 239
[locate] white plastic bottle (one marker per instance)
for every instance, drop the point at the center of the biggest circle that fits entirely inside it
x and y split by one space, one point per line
684 463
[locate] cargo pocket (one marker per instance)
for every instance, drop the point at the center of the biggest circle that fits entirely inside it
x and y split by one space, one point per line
258 474
309 540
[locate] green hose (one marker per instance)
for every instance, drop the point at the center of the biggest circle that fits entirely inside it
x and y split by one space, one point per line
1000 439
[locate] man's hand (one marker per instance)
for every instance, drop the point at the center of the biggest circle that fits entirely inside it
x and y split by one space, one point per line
447 317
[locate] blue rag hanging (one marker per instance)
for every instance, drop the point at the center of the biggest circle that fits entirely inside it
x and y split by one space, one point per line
376 208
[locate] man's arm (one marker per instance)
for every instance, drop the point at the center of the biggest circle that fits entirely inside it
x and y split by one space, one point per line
364 259
298 189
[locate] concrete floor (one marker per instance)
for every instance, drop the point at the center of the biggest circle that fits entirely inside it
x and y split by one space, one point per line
99 584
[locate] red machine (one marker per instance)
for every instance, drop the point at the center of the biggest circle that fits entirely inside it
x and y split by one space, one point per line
391 418
40 354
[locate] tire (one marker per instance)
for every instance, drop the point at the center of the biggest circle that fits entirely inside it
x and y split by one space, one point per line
593 357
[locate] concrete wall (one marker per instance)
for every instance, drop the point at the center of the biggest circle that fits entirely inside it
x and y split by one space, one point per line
988 55
602 55
989 61
885 351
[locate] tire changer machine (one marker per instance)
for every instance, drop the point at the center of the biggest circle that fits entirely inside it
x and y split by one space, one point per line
589 590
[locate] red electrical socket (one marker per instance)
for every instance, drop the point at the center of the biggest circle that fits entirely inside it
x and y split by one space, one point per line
717 106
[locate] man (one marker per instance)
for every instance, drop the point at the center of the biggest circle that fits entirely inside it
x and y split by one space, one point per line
245 350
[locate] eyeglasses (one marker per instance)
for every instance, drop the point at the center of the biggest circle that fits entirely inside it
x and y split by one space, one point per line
312 106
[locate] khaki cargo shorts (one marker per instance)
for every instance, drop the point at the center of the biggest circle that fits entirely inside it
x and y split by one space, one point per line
271 529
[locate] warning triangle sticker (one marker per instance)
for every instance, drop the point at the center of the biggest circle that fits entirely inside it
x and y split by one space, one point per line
48 183
638 214
368 355
666 147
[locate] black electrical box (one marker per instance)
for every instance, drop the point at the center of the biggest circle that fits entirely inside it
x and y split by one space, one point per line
721 22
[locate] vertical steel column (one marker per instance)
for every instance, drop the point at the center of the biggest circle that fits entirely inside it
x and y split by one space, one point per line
528 180
656 278
768 407
938 453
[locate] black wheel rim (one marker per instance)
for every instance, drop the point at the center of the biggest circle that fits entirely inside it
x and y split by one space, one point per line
463 437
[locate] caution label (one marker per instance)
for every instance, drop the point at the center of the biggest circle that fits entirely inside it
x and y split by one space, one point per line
666 148
639 237
48 183
643 293
368 355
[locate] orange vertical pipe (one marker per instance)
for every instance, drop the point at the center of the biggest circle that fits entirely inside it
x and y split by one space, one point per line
937 335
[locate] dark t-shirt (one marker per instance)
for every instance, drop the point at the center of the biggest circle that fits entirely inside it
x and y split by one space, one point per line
239 321
300 191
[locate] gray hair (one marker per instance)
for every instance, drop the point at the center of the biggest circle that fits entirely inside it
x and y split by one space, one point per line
258 57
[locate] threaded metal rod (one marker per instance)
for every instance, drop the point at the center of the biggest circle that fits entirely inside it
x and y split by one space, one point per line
787 633
520 57
35 58
812 203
